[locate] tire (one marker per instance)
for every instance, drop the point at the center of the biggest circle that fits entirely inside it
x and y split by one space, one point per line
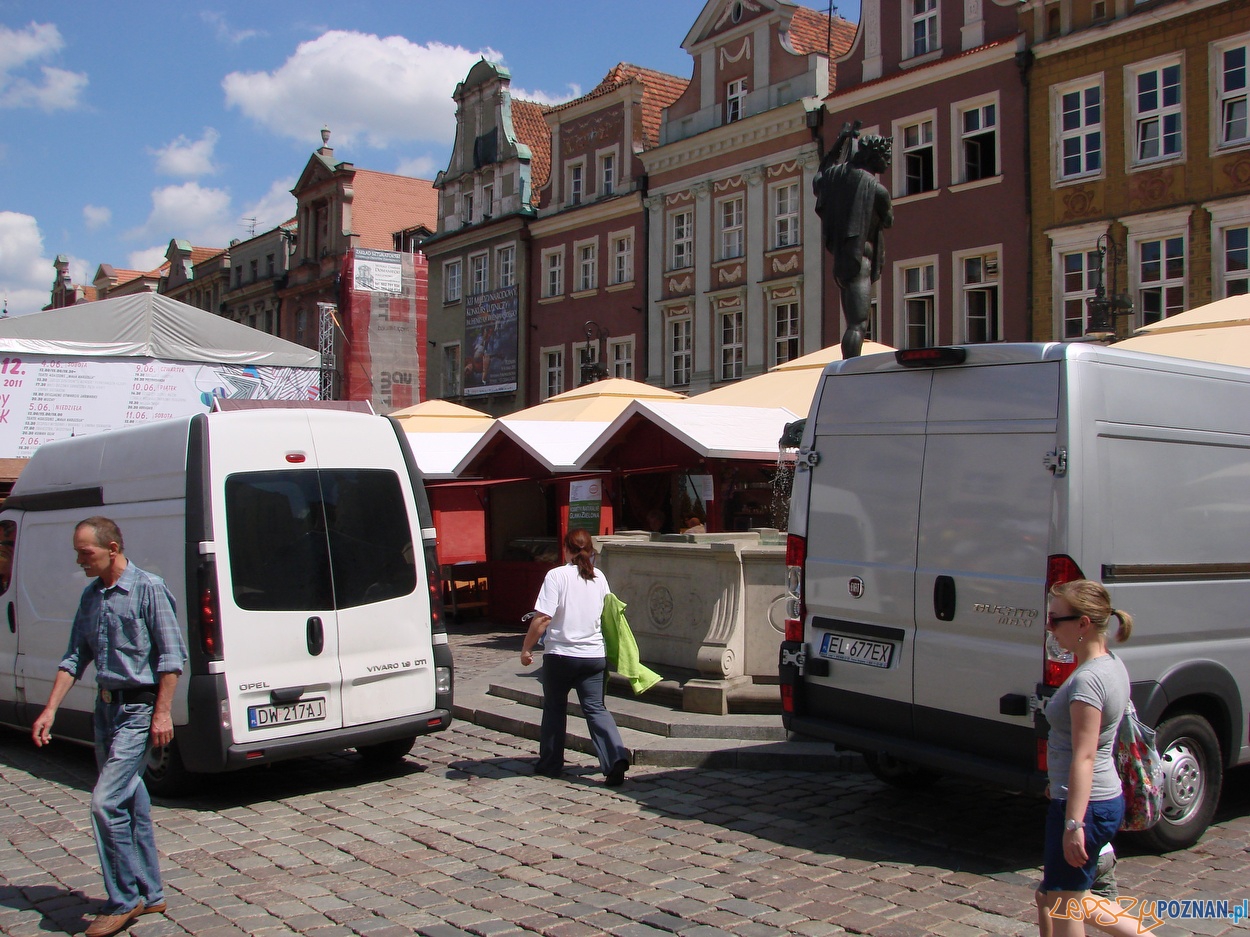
385 754
1193 773
898 773
165 775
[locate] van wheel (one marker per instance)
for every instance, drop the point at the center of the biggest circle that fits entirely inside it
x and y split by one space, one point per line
386 753
1193 772
165 775
900 773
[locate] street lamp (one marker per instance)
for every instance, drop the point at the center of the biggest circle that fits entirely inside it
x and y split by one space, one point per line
1104 308
593 369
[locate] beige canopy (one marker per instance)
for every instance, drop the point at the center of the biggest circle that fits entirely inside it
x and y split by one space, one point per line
442 416
1235 310
1218 332
600 402
791 385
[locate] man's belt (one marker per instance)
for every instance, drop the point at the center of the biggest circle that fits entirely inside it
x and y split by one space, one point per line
130 694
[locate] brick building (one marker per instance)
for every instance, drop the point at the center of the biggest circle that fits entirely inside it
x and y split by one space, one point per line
734 250
1140 158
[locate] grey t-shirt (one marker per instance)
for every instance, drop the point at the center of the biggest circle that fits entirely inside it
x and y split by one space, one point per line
1102 683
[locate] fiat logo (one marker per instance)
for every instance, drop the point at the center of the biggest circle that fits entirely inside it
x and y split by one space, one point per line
855 587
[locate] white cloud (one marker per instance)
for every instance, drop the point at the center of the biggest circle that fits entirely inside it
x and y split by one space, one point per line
274 207
26 275
224 32
55 89
421 167
150 258
96 217
361 86
188 158
190 212
546 97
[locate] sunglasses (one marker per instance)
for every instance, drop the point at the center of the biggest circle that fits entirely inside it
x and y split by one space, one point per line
1052 620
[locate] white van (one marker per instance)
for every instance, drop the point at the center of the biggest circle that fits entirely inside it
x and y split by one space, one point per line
298 546
941 491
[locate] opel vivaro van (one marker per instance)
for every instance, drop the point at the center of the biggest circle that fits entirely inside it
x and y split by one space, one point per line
299 548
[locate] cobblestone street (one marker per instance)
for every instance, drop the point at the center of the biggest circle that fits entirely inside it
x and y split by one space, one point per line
463 839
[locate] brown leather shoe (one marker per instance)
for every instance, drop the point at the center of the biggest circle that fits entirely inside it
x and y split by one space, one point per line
106 925
157 908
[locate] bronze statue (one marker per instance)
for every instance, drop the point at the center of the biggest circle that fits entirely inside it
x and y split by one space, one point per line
855 210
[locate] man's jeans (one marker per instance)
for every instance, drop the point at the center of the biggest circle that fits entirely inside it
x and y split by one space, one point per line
120 809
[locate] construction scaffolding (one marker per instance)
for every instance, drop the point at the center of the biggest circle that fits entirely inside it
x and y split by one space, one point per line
325 344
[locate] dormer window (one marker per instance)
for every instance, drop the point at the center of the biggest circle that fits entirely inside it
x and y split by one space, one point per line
735 99
577 184
488 200
466 208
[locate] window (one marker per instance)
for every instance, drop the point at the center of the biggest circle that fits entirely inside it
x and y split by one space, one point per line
607 174
238 275
979 142
735 99
980 297
466 208
681 239
918 306
623 259
1080 131
553 371
680 333
1160 277
731 345
918 157
318 539
451 370
254 269
577 184
1235 257
786 215
451 281
924 26
585 357
488 201
479 274
587 266
785 332
731 228
1080 278
505 264
1230 70
269 263
1157 113
621 355
553 272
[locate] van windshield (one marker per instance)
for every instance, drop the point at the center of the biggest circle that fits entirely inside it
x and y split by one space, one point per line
314 540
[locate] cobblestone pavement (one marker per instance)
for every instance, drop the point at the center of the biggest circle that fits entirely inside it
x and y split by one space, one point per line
462 839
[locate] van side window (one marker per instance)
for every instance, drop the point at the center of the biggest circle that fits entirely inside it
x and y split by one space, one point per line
8 543
311 540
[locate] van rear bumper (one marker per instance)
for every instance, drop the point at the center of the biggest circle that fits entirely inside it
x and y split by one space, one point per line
317 743
945 760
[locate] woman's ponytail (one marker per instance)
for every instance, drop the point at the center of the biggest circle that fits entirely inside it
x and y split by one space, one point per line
581 549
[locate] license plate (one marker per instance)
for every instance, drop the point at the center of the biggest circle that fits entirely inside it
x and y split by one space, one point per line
857 650
285 714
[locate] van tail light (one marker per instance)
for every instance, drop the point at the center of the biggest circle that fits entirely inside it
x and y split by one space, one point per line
787 698
1059 663
796 610
210 613
438 624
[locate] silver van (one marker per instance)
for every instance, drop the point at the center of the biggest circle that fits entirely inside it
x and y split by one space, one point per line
298 546
941 491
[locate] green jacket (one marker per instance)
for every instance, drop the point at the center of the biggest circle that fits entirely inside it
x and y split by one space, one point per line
621 649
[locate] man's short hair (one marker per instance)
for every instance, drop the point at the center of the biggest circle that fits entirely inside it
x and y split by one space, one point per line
106 531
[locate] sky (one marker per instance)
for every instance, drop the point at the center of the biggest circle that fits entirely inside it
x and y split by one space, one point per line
125 125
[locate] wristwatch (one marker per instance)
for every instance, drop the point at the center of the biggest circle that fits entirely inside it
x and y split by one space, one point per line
1071 825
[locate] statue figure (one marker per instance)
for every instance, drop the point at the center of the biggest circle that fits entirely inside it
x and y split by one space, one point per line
855 210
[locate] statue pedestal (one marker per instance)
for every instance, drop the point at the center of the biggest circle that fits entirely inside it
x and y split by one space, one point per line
710 696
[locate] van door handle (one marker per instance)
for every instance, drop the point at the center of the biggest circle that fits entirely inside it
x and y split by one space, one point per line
944 598
12 619
316 636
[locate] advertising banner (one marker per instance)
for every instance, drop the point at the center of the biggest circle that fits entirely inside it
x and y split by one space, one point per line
585 499
377 271
490 341
44 398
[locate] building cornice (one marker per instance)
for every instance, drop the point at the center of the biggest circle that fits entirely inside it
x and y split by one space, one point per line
1119 27
805 155
919 78
758 128
436 245
622 206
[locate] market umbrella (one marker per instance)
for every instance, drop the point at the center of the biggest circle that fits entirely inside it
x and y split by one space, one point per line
1235 310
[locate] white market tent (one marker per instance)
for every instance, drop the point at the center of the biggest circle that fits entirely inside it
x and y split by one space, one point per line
148 325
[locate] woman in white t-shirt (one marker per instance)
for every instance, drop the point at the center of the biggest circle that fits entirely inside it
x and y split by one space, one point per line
570 610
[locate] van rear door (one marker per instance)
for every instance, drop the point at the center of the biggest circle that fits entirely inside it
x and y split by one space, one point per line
859 583
987 504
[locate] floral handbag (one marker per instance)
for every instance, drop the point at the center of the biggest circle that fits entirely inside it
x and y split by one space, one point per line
1141 772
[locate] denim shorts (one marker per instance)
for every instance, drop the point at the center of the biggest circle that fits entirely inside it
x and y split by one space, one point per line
1102 820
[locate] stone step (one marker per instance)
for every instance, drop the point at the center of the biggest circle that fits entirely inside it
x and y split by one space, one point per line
510 701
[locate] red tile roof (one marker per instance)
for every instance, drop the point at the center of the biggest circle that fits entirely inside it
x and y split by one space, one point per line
201 254
660 89
810 32
531 129
384 203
